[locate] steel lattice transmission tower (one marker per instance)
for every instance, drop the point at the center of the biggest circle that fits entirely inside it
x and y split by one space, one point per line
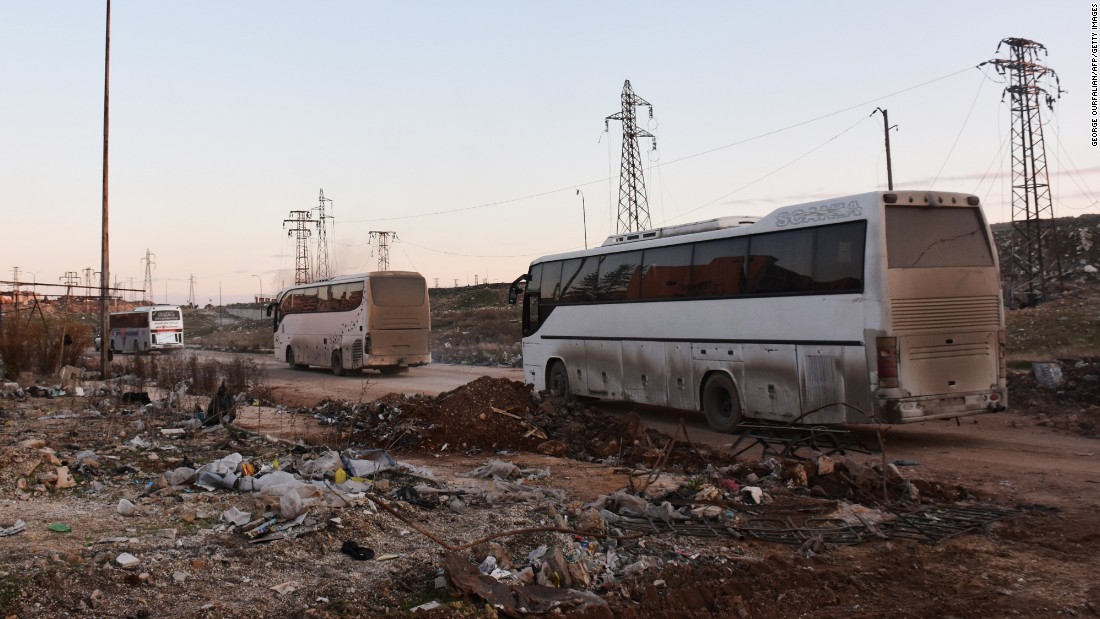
300 229
633 205
322 271
383 239
1034 254
191 291
148 285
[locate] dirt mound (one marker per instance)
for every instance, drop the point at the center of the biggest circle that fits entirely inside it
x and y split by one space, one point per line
1069 399
497 414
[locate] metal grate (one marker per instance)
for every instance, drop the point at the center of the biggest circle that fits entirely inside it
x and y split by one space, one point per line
936 524
914 316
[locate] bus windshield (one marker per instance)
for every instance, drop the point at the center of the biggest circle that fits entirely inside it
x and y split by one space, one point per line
397 291
921 238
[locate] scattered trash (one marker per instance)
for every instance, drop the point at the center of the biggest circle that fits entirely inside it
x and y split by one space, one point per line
58 527
236 517
357 552
285 587
1048 374
18 527
434 604
517 600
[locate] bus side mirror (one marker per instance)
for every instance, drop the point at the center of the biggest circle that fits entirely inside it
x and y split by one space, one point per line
513 290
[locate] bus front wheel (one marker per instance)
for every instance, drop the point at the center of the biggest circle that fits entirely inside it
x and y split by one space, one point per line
337 364
557 381
721 403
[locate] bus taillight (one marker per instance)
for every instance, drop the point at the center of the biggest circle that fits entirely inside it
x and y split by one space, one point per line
1001 339
887 361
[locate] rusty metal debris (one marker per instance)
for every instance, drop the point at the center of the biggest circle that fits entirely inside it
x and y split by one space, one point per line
784 440
936 524
931 525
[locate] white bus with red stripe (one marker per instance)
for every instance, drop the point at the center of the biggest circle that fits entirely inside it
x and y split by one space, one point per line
148 328
883 307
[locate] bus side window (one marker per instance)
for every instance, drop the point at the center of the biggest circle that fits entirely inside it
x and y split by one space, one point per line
324 301
781 262
619 277
718 268
578 280
551 283
838 257
666 272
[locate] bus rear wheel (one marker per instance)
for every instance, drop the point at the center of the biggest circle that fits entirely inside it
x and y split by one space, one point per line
290 360
557 381
337 364
721 403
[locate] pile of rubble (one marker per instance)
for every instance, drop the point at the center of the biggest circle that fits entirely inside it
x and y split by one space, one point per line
1065 394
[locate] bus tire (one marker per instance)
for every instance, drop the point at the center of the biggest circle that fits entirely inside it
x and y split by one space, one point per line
557 381
290 360
337 363
721 403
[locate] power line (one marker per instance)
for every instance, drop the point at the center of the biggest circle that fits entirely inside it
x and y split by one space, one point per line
573 186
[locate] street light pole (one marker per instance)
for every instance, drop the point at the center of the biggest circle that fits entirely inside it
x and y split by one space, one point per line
261 280
584 218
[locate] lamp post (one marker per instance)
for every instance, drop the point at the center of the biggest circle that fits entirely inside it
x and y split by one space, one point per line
260 299
584 218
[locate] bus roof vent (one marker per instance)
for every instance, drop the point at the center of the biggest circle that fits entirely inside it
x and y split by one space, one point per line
721 223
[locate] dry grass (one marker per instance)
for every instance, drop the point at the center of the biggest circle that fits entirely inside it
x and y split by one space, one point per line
204 375
33 342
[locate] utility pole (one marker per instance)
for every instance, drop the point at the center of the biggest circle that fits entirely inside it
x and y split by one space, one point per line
436 282
322 271
383 247
15 287
299 228
1033 223
889 165
633 205
191 291
148 285
104 260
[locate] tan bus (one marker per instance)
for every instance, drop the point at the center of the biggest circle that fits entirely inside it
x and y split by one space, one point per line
378 320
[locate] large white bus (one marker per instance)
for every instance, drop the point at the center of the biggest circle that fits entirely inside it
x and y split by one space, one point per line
143 329
377 320
874 308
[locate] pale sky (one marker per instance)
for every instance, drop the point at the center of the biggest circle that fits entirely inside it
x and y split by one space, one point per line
466 127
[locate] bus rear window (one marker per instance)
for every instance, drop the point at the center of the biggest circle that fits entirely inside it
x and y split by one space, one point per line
397 291
922 238
166 315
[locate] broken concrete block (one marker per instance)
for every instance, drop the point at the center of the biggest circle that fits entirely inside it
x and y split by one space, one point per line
127 561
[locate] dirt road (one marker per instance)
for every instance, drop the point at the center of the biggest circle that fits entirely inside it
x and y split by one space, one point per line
1004 453
307 387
